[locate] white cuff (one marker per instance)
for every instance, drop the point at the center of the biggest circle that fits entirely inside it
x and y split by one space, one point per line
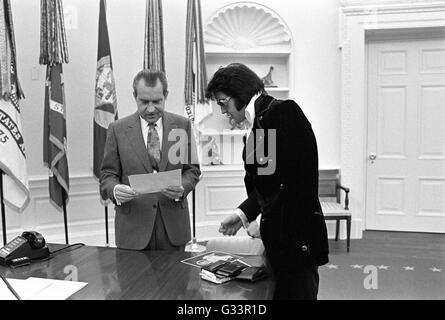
243 218
114 195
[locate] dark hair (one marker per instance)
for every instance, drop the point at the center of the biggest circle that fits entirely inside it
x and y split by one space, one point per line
151 77
237 81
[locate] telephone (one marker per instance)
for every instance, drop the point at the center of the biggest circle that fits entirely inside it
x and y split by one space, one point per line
30 244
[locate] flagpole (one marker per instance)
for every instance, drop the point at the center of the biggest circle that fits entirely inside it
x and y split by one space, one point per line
194 213
194 246
3 209
65 215
106 224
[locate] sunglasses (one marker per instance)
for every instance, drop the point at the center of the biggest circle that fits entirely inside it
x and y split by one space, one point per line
223 102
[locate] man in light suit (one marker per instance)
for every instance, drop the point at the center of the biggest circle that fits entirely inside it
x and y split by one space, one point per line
138 144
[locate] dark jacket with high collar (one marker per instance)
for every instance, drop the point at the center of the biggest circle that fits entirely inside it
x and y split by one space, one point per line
281 163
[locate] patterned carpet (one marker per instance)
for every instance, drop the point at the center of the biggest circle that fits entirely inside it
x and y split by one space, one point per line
385 266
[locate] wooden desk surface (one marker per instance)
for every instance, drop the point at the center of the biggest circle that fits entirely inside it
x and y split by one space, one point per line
122 274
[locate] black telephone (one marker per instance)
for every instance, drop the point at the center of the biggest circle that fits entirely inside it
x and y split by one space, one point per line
30 244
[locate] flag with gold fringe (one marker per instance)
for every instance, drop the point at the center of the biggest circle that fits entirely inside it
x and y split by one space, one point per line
53 53
105 109
12 146
154 36
197 107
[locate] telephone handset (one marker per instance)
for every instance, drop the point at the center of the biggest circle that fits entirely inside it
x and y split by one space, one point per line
30 244
35 239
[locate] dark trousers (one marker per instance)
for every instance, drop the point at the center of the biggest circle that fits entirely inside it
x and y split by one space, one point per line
298 283
294 279
159 238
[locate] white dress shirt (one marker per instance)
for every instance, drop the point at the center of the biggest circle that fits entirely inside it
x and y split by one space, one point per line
250 116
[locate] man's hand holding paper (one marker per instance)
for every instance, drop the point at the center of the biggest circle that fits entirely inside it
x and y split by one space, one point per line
173 192
123 193
169 183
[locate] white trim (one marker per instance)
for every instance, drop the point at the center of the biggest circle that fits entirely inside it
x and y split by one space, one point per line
251 4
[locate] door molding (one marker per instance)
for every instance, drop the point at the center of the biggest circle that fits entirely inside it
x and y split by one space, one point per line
357 21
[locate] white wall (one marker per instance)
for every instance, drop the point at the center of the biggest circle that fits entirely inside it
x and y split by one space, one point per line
314 26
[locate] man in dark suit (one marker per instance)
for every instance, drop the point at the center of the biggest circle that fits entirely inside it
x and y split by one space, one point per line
281 163
142 143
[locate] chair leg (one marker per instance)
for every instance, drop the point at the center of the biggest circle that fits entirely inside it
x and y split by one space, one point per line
337 228
348 233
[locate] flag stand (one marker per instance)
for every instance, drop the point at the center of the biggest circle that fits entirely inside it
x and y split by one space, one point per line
3 209
65 216
106 225
194 246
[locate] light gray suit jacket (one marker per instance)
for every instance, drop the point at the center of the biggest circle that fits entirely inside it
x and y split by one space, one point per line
126 154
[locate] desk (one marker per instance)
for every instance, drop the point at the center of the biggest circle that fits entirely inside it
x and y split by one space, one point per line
114 274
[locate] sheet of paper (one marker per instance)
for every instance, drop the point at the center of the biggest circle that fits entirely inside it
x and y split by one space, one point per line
40 289
155 182
19 286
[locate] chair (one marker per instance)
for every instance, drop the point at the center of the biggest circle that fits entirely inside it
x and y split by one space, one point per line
329 189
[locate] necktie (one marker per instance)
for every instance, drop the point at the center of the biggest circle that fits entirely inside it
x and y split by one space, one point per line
154 145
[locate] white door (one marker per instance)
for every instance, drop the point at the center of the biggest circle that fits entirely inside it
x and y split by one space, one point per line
406 135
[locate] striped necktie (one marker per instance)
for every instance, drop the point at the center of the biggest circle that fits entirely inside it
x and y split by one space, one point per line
154 145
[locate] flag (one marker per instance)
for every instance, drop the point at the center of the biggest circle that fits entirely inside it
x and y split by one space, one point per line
53 53
12 154
12 146
54 136
154 36
105 109
197 108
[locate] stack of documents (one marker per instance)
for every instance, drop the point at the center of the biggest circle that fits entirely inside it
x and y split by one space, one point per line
222 271
213 277
40 289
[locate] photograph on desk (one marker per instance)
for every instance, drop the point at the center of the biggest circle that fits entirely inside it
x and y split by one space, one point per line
208 258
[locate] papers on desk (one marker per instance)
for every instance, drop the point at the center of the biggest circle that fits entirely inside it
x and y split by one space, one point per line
155 182
40 289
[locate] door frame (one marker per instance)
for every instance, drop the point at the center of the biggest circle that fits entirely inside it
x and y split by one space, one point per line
357 21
